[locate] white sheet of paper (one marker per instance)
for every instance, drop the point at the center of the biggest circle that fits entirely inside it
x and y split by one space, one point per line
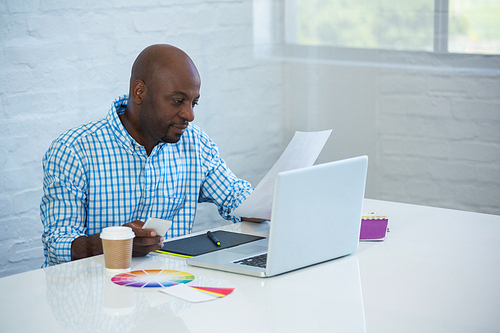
301 152
187 293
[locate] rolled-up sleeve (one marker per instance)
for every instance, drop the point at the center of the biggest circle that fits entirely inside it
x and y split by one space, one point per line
63 204
220 185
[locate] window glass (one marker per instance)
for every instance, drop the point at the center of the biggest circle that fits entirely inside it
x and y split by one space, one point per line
382 24
474 26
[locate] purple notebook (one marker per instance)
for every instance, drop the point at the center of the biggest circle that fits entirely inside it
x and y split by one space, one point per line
373 227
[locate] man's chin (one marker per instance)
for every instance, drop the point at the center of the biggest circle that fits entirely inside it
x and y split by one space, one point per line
172 139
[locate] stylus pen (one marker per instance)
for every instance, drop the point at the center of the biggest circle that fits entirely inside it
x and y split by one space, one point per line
213 238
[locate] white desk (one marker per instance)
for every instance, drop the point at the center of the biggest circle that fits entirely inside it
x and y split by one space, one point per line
438 271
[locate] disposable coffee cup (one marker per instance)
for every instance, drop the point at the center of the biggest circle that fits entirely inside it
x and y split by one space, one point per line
117 245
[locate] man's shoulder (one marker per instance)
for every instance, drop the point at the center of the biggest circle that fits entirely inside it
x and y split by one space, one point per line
198 139
71 143
195 133
81 133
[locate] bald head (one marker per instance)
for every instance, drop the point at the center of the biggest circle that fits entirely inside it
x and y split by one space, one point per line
162 60
164 89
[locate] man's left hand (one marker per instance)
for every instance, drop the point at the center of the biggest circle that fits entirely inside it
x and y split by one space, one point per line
145 241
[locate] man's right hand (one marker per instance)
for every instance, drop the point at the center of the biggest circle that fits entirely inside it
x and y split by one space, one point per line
145 241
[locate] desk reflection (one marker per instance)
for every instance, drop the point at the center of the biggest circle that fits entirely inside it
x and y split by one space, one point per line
324 297
329 298
321 298
82 297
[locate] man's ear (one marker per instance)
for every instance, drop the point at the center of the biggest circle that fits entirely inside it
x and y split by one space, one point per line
139 91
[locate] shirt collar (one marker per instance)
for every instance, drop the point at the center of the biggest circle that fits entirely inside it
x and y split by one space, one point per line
117 109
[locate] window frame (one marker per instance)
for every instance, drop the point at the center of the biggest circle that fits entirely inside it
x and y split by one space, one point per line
274 28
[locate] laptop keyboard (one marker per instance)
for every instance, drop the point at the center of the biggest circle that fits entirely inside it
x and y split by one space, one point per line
256 261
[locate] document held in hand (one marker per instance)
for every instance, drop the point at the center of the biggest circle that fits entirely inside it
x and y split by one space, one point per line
301 152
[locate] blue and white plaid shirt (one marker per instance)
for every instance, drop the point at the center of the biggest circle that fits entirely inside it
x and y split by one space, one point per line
97 176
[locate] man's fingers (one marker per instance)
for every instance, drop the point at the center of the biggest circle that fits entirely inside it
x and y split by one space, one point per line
144 245
135 224
145 241
137 228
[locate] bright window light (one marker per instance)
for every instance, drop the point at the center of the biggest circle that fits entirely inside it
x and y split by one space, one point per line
474 26
387 24
458 26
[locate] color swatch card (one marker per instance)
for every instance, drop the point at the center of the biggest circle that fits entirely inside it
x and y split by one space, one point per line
196 294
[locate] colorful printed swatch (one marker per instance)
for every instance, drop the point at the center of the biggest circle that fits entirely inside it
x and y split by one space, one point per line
152 278
219 292
196 294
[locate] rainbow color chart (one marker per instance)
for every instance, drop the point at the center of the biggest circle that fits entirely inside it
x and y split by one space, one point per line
175 280
152 278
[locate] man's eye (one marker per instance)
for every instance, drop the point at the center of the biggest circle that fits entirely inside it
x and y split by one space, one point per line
178 101
195 103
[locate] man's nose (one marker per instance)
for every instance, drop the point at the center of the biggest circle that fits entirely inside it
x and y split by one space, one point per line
187 113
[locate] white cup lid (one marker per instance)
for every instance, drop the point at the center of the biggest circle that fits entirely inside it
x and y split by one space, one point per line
117 233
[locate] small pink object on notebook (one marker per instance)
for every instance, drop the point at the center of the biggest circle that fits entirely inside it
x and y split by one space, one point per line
373 227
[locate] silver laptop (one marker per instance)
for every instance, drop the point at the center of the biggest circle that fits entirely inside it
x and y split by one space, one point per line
316 216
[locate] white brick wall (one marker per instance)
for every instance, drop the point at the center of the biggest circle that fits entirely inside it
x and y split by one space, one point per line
432 136
441 140
64 61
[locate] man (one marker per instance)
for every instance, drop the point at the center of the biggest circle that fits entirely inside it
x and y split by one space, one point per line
145 159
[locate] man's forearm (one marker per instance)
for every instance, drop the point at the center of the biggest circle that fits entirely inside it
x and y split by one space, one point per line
86 246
